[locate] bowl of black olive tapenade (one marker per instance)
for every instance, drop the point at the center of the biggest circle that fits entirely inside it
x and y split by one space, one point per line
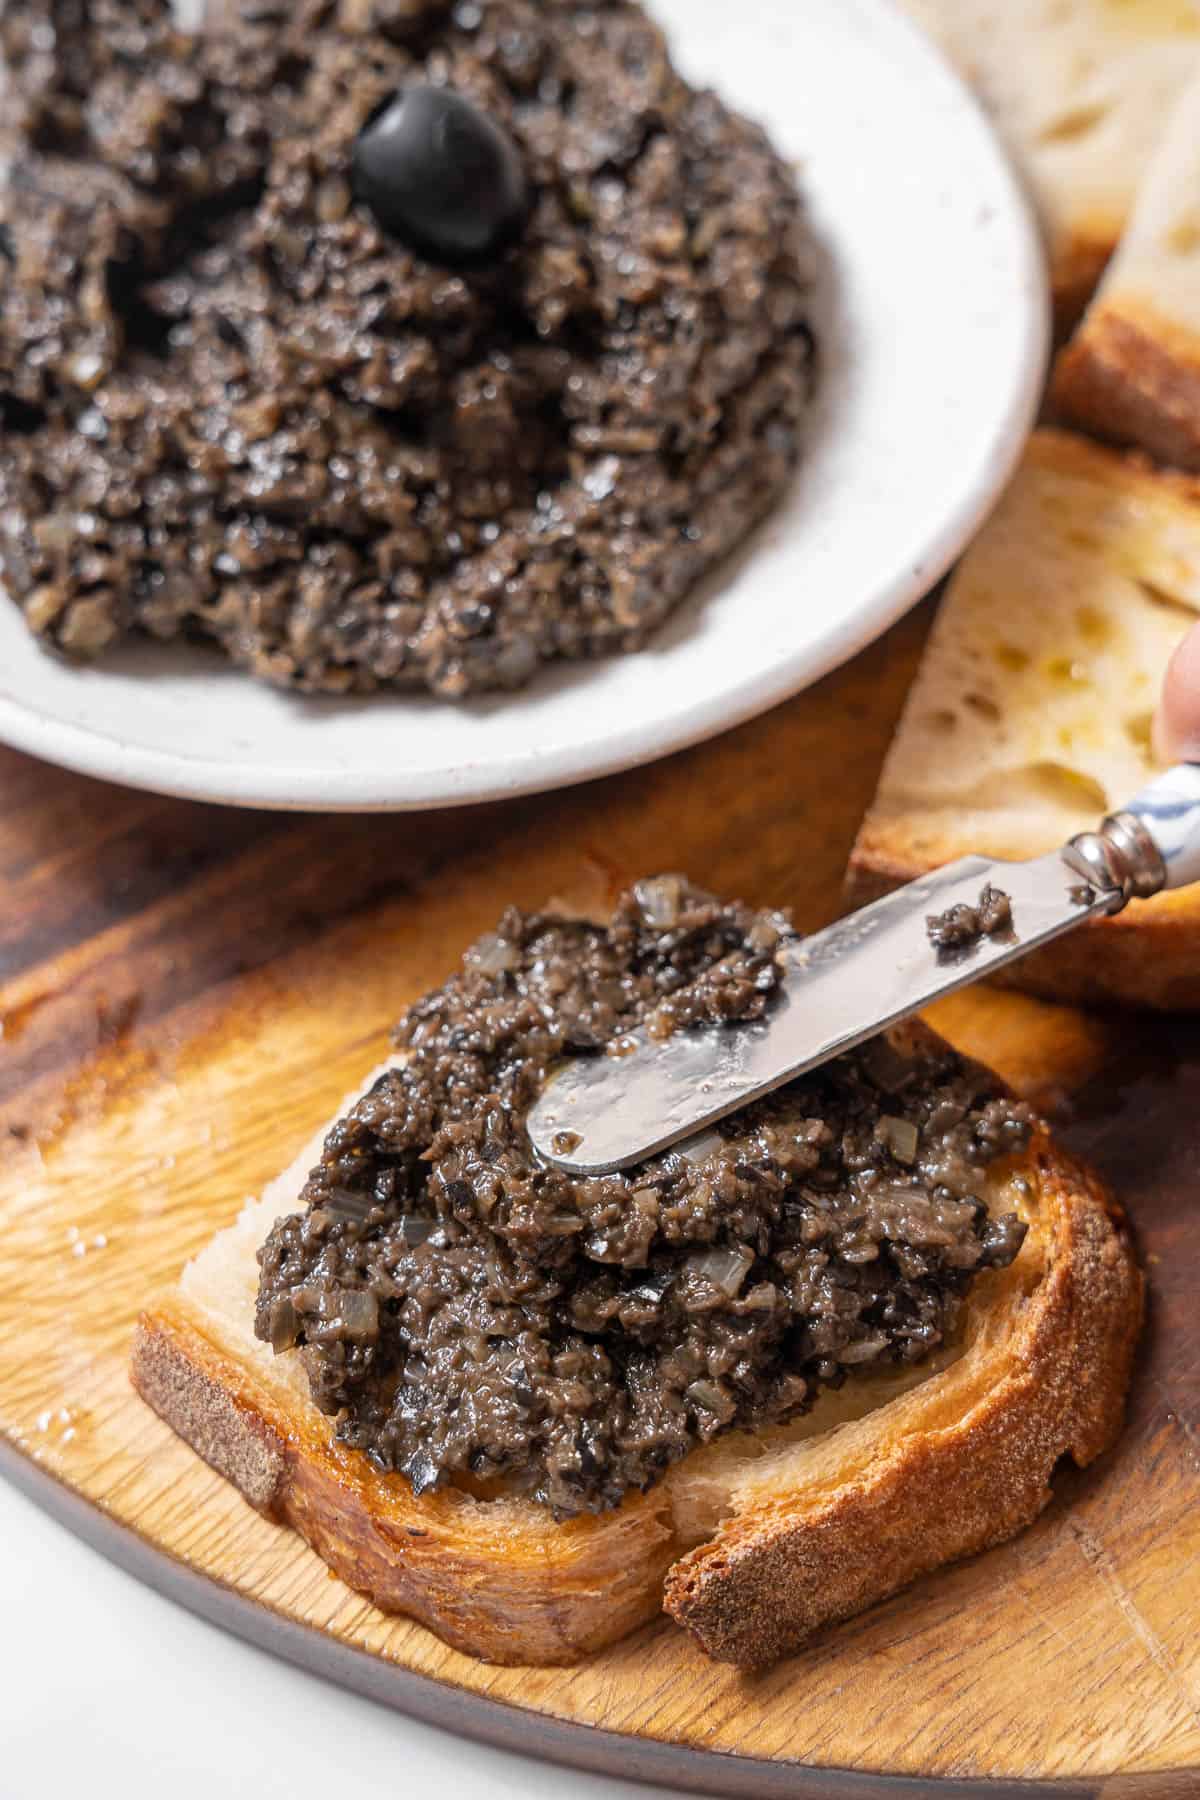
420 359
383 349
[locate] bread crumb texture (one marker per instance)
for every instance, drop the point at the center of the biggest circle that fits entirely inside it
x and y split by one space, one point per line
1078 90
1031 713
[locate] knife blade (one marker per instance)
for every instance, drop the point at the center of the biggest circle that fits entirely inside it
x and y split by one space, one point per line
857 977
838 988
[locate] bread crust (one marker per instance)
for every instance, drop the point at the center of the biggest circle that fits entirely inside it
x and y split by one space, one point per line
1133 377
501 1581
1043 1372
1078 258
930 1491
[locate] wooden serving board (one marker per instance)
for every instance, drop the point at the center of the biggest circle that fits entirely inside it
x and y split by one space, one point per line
185 993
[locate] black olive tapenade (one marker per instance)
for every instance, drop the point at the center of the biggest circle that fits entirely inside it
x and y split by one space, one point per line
464 1310
235 407
959 927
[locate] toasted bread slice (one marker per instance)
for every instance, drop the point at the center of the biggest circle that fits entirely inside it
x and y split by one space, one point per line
1131 373
1030 715
1079 90
778 1531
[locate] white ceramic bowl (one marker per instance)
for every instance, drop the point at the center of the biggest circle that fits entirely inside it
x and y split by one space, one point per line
934 348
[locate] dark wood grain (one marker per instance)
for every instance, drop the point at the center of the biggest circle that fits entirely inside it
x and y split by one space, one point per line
185 992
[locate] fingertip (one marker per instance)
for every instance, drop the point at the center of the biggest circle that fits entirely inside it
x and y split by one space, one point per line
1176 736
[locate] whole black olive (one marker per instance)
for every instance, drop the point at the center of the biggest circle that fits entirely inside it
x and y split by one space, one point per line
441 175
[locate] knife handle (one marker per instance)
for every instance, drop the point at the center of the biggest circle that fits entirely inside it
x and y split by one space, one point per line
1169 812
1150 845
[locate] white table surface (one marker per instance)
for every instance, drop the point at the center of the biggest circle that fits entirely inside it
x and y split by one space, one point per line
107 1689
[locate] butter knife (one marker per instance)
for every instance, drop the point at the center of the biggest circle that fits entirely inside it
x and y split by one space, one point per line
860 975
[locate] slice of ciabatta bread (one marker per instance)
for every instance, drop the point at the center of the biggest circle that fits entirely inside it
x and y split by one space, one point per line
1031 711
1079 90
757 1539
1131 373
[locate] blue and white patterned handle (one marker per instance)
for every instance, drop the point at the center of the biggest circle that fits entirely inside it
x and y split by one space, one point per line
1169 810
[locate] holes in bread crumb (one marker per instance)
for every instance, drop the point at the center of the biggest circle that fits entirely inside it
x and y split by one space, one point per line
1094 628
1184 236
943 720
1068 787
1138 731
1012 658
1075 123
1159 596
1051 785
983 706
1068 672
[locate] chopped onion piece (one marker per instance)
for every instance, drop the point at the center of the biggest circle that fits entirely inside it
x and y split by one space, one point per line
900 1136
359 1312
347 1203
710 1395
493 955
660 900
562 1224
763 1298
416 1231
284 1324
726 1269
702 1146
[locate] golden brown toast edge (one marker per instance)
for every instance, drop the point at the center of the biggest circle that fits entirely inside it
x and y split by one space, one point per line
504 1583
1132 377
